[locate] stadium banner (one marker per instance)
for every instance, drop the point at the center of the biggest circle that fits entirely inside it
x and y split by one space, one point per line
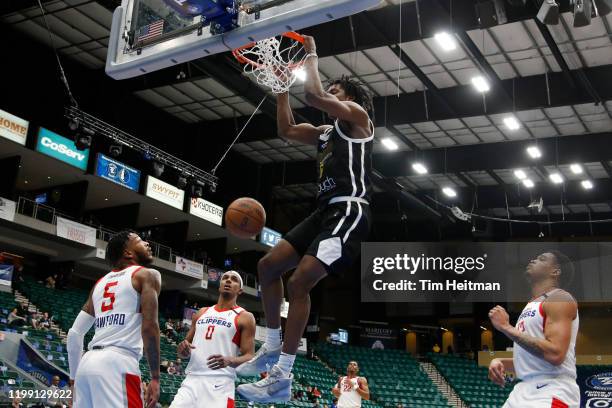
206 210
61 148
164 192
7 209
13 128
378 337
76 232
595 384
117 172
269 237
189 268
467 272
6 274
214 275
36 364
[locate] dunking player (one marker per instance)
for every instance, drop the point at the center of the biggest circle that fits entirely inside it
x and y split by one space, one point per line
123 305
216 337
350 390
329 240
544 339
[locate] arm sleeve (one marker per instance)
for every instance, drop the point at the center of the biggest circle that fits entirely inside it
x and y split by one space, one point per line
74 343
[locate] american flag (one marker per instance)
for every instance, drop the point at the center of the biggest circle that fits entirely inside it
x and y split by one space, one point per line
152 30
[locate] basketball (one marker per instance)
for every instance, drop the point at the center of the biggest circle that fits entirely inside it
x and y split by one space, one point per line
245 217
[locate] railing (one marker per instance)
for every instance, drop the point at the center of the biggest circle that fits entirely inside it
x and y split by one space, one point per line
48 214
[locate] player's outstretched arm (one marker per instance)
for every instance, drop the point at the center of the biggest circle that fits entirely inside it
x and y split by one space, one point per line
363 389
149 282
76 334
557 330
318 98
246 325
287 128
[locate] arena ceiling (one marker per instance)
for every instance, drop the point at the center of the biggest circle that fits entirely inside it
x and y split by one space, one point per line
554 80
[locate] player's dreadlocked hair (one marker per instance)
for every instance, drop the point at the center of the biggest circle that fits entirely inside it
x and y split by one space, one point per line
116 245
566 266
356 91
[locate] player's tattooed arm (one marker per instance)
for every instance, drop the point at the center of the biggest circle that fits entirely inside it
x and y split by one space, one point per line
150 284
557 330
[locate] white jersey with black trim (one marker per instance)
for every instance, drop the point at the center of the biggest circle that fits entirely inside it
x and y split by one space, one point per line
532 321
349 398
117 312
216 332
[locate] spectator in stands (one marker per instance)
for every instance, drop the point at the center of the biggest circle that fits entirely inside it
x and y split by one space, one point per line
14 319
315 392
436 348
485 347
170 332
179 367
171 368
44 323
334 403
55 391
50 281
47 345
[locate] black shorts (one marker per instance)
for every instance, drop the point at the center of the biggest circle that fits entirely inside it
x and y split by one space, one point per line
333 234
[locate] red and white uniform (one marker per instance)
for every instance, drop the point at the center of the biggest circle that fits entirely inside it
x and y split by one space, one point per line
543 384
216 332
349 398
108 375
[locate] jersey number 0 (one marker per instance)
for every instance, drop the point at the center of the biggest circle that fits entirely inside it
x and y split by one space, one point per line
110 296
209 332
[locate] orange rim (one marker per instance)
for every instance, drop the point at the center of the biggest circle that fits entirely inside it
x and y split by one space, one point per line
244 60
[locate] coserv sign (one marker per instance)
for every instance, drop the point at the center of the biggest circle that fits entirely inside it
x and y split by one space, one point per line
13 128
61 148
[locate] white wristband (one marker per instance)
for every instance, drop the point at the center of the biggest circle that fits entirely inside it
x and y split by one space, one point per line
312 54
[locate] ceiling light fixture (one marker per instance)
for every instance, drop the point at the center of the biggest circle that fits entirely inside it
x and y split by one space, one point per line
512 123
556 178
389 144
587 184
520 174
449 192
576 168
419 168
534 152
528 183
446 41
481 84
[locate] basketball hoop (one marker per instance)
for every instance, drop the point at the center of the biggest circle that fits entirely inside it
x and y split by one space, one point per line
274 62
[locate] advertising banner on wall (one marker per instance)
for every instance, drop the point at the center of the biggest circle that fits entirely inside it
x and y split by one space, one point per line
61 148
76 232
206 210
117 172
378 337
164 192
270 237
7 209
13 128
6 274
189 268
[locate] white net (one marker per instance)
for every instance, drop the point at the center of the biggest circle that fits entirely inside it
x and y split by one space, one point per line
273 62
